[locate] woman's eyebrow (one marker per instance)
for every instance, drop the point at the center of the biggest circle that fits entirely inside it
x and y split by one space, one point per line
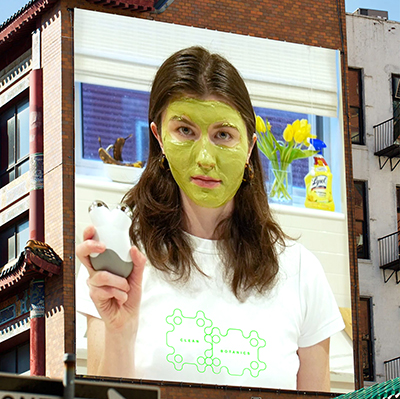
182 119
226 124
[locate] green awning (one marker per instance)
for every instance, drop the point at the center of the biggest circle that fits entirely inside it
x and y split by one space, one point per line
384 390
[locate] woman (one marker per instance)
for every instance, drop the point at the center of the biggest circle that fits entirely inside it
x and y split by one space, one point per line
225 298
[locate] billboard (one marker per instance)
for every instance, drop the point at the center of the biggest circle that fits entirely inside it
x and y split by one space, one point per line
198 331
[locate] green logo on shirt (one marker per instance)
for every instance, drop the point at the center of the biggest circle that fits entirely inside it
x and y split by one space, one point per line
195 342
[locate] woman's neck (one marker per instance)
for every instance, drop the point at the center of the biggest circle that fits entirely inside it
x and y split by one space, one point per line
202 222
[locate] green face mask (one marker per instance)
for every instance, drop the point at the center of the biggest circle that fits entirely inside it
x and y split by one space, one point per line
205 143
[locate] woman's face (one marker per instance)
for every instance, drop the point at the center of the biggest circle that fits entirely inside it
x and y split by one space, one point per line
206 145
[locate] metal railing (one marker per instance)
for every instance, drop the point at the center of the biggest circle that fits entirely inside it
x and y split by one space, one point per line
384 135
392 368
388 248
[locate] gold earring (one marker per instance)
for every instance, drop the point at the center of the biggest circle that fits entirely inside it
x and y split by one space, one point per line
248 173
163 162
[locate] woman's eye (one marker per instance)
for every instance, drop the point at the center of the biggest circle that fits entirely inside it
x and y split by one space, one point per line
223 136
185 131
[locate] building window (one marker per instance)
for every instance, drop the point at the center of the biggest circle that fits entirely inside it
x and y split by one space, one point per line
14 134
360 199
356 106
367 338
396 105
15 360
13 240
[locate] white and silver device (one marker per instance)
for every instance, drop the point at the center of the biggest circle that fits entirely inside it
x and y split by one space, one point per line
112 229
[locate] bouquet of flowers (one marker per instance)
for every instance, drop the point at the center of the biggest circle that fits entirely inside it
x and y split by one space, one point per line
282 153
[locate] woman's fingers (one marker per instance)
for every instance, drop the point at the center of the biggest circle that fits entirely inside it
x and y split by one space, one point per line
89 246
107 279
105 294
89 233
105 286
139 261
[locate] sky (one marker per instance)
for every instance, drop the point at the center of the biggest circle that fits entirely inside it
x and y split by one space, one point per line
9 7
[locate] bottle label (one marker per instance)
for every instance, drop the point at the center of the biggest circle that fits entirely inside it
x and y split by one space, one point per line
319 184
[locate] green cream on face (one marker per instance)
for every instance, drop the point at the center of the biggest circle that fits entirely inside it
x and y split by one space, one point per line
205 143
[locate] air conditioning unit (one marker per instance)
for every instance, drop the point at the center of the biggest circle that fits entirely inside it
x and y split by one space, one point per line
372 13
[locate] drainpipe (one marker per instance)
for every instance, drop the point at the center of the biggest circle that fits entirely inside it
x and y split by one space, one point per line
36 207
37 328
36 197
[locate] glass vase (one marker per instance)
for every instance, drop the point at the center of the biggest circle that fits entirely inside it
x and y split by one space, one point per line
280 185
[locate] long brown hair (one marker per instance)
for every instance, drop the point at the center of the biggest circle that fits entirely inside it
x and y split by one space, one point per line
249 239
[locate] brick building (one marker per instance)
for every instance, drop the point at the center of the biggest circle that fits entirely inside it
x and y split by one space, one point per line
39 65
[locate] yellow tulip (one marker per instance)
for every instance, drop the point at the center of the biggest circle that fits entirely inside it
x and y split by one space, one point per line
300 135
288 133
296 125
299 130
260 125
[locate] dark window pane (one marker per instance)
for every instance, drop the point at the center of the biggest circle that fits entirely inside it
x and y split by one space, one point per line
356 106
23 130
23 167
11 140
366 339
22 236
14 144
8 362
11 247
23 358
16 360
355 125
13 238
12 175
360 202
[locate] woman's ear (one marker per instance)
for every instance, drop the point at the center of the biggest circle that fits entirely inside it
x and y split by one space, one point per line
253 143
156 134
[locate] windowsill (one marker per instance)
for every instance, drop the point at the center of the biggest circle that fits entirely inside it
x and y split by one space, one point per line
361 147
105 184
365 261
101 183
307 212
14 191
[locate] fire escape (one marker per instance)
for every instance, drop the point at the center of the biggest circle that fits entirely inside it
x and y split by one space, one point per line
389 258
387 140
387 148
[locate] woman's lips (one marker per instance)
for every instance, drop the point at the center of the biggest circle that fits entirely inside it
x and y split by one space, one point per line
206 181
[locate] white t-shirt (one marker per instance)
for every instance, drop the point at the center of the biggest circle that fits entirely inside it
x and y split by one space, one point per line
199 332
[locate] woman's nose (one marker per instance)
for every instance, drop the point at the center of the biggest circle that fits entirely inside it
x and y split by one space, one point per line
206 159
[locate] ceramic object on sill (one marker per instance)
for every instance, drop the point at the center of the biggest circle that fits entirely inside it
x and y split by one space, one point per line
123 174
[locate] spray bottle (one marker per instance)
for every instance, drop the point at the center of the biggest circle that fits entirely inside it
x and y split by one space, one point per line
319 180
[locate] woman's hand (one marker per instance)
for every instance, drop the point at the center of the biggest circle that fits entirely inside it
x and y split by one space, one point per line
116 298
111 340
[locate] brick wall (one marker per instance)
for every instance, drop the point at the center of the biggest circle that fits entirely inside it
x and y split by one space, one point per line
298 21
58 182
53 195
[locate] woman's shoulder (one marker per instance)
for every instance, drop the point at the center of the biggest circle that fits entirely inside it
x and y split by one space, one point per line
295 257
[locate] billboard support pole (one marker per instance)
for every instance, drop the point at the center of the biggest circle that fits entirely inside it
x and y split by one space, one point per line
69 376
